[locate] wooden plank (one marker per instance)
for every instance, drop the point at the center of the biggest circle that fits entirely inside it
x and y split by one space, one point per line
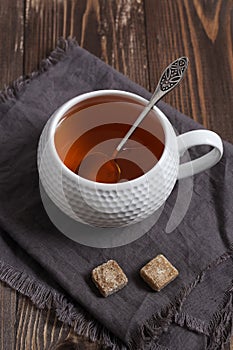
31 323
22 326
12 36
202 31
113 31
45 22
120 40
8 305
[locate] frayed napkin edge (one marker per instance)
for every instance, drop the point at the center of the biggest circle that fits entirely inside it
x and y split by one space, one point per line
13 90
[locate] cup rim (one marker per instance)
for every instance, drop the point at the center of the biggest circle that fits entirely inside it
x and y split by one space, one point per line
59 114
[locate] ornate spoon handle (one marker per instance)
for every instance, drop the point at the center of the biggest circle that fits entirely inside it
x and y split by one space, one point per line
169 79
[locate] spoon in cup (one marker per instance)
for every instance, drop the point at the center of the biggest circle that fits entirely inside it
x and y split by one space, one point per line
169 79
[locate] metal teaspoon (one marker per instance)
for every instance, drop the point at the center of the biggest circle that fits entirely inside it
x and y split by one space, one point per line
169 79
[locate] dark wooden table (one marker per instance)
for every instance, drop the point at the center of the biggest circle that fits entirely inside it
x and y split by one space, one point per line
138 38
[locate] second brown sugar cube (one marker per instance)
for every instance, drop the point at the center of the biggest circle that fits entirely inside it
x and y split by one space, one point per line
158 272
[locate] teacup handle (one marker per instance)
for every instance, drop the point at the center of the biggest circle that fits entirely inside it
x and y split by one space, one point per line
196 138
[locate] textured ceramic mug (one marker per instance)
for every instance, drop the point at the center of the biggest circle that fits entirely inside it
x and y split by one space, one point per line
120 204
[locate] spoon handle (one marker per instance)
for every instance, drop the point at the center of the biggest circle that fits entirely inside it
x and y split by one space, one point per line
169 79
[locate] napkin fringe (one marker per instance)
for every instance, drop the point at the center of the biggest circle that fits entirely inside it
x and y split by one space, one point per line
221 327
12 91
218 332
43 297
194 324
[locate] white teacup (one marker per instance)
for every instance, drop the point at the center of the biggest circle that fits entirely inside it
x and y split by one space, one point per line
120 204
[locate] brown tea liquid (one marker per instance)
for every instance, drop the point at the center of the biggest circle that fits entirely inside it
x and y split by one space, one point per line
91 154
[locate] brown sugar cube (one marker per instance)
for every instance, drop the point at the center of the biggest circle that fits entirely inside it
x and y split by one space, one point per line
109 278
158 272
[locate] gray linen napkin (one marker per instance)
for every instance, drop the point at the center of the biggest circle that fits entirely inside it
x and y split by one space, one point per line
38 261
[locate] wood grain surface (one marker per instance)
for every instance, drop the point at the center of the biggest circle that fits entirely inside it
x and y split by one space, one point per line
138 38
